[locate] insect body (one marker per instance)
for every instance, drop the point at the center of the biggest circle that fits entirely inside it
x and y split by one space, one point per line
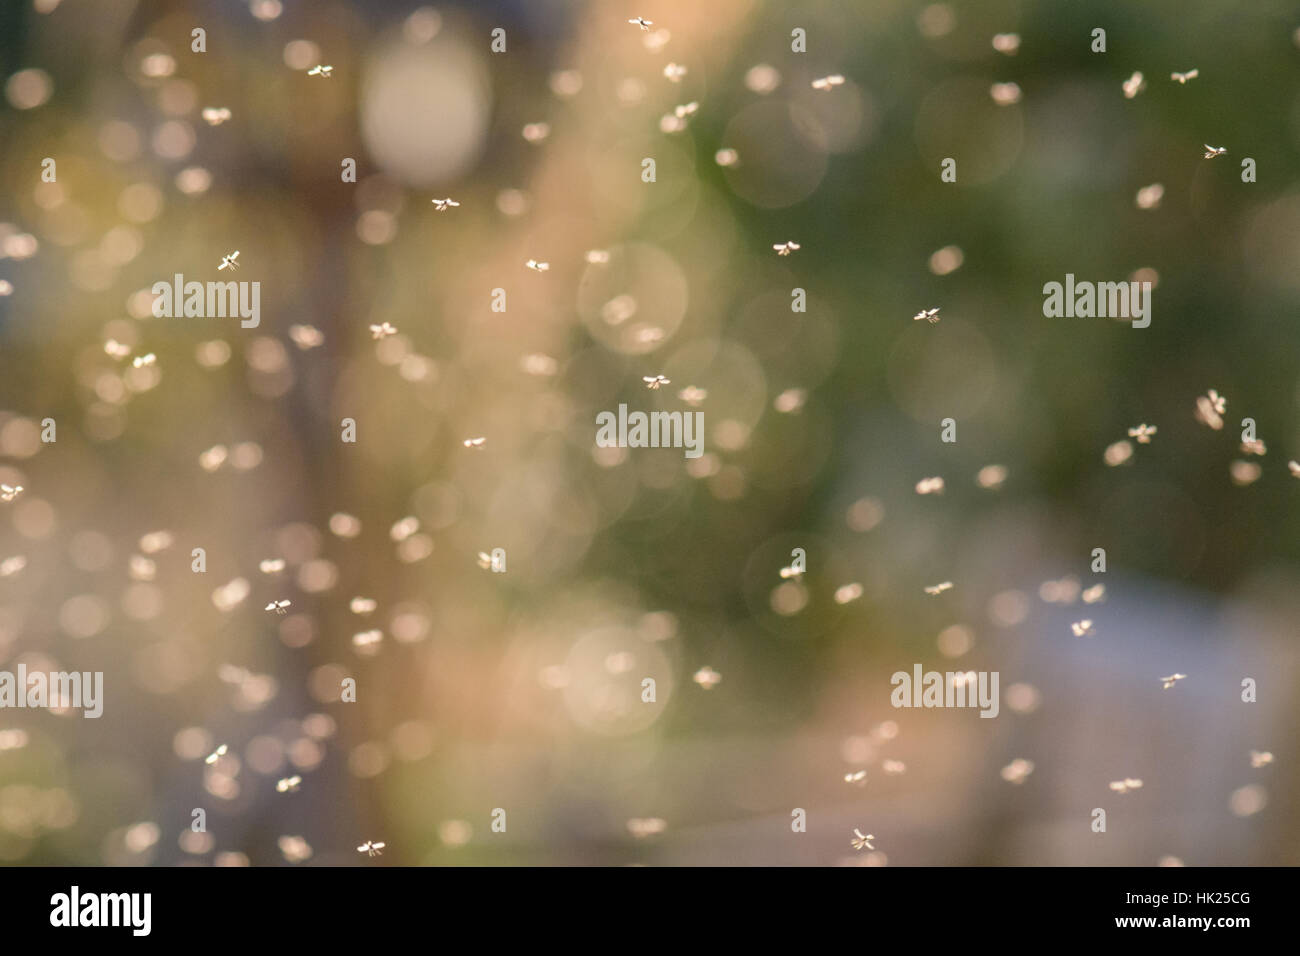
862 841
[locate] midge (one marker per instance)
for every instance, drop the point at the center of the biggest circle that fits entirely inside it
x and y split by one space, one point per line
785 248
319 70
653 382
828 82
372 848
441 205
862 841
228 261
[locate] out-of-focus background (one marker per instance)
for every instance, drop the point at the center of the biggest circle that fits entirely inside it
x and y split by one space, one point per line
522 691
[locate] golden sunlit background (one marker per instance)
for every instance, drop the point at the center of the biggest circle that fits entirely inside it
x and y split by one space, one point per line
480 691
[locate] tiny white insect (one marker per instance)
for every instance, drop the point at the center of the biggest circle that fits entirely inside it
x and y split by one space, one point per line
271 566
215 116
1142 433
1212 151
1148 197
1005 94
279 607
686 109
116 349
706 677
788 573
674 72
1133 86
938 588
441 205
536 132
1017 771
228 262
141 361
1260 758
930 315
474 442
537 266
1295 468
1184 77
484 560
847 593
1007 43
1125 785
654 382
1210 408
790 401
862 841
294 848
860 777
597 257
215 755
1082 628
1118 453
363 605
288 785
371 847
319 70
1171 680
828 82
642 22
930 486
785 248
692 395
382 331
306 336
